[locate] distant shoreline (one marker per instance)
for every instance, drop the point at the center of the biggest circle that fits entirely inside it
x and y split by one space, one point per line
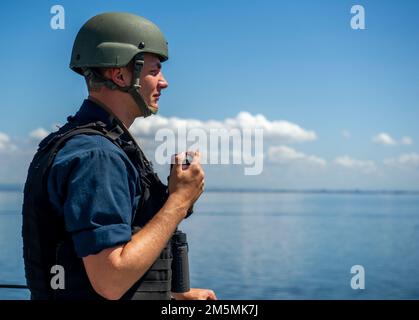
314 191
19 188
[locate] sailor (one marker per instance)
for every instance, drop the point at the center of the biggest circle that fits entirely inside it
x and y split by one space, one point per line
93 204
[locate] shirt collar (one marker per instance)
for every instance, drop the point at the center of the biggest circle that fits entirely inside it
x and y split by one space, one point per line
91 111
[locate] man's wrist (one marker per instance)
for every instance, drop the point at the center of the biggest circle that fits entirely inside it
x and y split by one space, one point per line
177 204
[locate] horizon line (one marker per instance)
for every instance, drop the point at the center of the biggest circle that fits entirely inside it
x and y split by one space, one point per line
19 187
315 191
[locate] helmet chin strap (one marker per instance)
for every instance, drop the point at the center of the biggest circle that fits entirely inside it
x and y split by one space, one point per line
133 89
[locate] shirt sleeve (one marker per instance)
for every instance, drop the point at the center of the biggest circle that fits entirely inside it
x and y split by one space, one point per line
98 198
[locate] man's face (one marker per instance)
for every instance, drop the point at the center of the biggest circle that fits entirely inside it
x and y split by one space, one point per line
152 80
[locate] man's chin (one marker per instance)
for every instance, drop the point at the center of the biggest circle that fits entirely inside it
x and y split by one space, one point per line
154 108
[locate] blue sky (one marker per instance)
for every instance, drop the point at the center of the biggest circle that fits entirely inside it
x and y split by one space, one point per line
297 61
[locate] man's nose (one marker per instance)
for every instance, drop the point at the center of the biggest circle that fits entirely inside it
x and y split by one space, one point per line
163 84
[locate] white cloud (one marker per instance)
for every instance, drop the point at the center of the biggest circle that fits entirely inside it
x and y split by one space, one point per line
5 143
384 139
346 134
4 140
406 141
285 155
283 130
38 134
407 160
366 166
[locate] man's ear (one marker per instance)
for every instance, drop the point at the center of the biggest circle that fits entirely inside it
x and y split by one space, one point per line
116 75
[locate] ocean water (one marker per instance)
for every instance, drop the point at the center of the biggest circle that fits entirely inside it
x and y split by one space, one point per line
279 245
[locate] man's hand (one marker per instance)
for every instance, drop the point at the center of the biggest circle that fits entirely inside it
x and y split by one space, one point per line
195 294
186 183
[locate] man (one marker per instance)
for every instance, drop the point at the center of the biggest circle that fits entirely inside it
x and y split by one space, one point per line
92 202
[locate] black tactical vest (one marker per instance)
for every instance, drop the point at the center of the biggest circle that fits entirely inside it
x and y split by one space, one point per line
46 243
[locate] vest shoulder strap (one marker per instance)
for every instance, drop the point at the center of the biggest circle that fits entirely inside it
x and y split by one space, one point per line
55 141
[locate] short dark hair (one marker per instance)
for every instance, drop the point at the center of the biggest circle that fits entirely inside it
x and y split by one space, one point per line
94 80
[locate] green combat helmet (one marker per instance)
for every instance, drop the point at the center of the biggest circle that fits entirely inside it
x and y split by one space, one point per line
112 40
